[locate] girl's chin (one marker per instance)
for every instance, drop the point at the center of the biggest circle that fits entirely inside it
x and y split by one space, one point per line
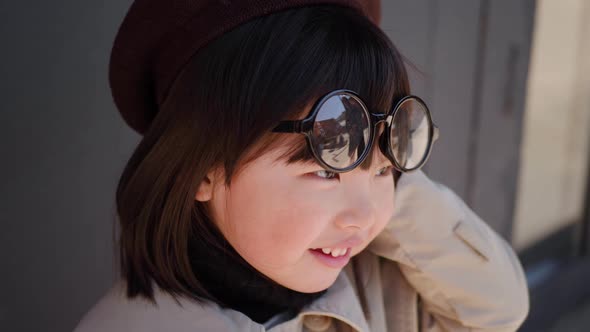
321 279
315 286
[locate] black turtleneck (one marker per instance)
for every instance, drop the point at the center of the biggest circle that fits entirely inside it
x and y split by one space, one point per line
237 285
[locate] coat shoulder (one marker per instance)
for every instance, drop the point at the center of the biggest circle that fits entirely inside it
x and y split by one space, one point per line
114 312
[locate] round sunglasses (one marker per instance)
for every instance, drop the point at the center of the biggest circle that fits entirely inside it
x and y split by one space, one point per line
340 131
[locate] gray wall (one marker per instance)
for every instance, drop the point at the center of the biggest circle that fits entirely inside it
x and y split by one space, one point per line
473 58
64 145
63 148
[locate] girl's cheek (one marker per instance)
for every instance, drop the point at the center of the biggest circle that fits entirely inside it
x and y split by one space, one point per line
314 197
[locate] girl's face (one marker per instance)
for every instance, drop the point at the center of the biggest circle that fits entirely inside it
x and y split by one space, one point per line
275 214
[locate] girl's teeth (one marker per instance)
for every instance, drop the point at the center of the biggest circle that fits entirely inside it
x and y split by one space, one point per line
334 252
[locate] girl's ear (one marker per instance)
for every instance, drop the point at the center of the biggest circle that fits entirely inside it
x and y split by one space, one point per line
207 186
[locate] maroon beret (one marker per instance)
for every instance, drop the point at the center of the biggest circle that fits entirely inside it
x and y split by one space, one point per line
157 38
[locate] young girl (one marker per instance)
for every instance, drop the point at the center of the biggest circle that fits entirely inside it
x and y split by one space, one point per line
278 187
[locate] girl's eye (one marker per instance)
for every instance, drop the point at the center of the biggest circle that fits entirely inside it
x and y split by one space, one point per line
324 174
385 171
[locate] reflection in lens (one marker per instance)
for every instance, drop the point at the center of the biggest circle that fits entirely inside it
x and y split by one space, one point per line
341 131
410 131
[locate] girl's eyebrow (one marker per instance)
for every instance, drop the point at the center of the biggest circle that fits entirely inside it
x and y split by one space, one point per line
308 163
378 155
382 158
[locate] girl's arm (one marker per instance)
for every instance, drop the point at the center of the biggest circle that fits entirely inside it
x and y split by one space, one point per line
468 276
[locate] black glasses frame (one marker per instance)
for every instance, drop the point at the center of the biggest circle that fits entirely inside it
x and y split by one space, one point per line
305 127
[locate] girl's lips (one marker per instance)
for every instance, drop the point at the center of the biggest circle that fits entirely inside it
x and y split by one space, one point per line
331 261
351 242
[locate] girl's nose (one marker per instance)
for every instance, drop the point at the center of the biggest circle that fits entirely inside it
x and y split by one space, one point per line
357 213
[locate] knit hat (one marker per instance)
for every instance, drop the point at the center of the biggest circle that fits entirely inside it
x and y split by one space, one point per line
157 38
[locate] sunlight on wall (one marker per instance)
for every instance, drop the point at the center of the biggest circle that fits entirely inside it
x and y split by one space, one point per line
556 129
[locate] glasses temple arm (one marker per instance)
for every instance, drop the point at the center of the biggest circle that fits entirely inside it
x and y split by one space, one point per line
436 133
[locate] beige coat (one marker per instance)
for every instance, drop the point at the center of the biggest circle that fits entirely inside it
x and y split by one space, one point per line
436 267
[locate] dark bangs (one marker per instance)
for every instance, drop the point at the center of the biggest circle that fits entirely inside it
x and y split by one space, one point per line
310 52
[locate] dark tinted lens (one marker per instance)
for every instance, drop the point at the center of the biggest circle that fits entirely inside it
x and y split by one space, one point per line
410 133
341 131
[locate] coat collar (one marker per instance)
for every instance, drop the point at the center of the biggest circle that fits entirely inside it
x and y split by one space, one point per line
340 302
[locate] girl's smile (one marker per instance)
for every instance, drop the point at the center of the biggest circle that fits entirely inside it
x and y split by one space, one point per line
337 259
336 255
